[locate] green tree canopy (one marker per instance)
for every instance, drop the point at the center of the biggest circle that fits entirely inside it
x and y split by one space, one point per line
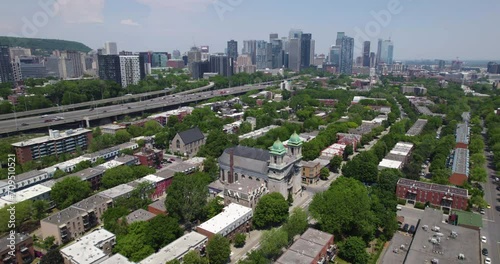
218 249
271 210
52 257
296 223
69 191
353 249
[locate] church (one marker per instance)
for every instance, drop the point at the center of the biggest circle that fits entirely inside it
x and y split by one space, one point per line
244 169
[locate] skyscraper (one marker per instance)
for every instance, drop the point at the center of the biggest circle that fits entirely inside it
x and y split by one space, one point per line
294 34
130 70
145 64
313 47
277 53
111 48
294 54
366 54
373 57
232 49
261 54
334 56
109 68
6 74
346 55
176 55
249 47
159 60
379 52
305 50
386 52
221 64
273 36
340 36
194 55
73 64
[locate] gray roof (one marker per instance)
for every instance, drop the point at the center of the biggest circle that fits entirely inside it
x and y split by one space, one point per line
126 158
316 236
248 161
417 128
87 173
91 202
191 135
160 205
5 241
461 161
292 257
422 250
165 173
60 218
139 215
28 175
248 152
462 133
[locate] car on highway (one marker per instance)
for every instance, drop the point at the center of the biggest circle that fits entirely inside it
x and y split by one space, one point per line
485 251
44 116
25 124
48 120
483 239
487 260
128 95
58 118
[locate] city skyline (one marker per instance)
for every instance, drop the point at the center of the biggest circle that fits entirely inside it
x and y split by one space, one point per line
205 22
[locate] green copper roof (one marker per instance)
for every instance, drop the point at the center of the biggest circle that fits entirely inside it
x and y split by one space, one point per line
294 139
278 147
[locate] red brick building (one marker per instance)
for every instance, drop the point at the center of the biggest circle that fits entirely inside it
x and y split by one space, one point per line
24 252
448 197
312 247
55 143
150 157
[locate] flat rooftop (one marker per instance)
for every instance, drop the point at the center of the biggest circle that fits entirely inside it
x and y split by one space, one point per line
468 218
316 236
153 178
88 173
307 248
461 161
389 164
29 175
176 249
62 217
28 193
91 202
58 136
223 222
181 167
462 133
117 191
433 187
125 159
417 128
165 173
117 259
444 247
139 215
292 257
86 250
160 205
394 254
109 165
5 241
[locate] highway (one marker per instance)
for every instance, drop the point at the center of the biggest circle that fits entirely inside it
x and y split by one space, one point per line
27 123
56 109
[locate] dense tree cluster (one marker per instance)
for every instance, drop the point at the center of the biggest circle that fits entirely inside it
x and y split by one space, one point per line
124 174
271 211
69 191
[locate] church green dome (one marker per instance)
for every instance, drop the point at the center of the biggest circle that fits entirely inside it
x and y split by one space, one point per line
294 139
278 147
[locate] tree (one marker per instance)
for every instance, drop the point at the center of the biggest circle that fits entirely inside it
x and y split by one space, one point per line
52 257
479 174
388 179
272 242
440 176
136 245
40 208
48 242
211 167
83 165
163 230
335 163
349 150
187 196
122 136
334 211
69 191
324 173
239 240
245 127
296 223
214 207
218 249
271 210
111 219
477 159
22 213
354 250
193 257
175 261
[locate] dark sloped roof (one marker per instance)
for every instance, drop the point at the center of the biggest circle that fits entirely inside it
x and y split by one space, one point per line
251 153
191 135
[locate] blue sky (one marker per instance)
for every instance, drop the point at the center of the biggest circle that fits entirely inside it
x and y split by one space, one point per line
420 29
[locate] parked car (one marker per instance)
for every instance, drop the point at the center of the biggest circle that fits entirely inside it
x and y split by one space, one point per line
487 260
485 251
405 228
412 229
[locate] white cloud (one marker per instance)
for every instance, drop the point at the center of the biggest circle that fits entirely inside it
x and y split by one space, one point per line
178 5
129 22
80 11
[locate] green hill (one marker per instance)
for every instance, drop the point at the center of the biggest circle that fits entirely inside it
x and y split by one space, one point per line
43 46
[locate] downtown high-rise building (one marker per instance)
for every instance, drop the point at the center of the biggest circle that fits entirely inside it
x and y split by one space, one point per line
250 48
193 55
109 68
232 49
305 50
334 56
277 53
385 52
176 55
159 60
130 70
6 74
294 54
72 63
373 59
221 64
346 55
366 54
145 61
340 36
273 36
261 54
111 48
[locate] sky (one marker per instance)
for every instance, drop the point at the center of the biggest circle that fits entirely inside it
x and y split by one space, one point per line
419 29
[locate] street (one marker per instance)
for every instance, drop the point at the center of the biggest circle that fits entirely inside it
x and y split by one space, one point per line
491 219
